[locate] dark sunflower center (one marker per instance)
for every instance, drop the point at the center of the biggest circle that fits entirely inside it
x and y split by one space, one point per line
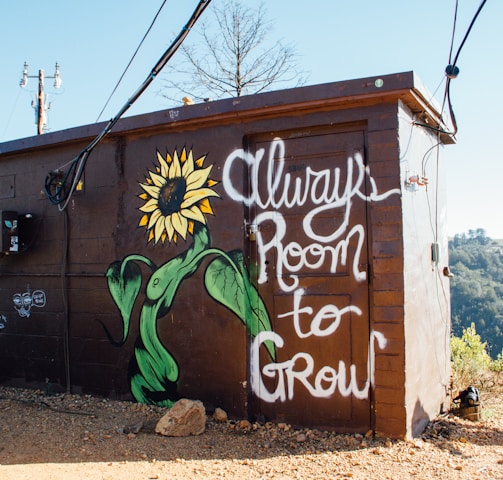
171 195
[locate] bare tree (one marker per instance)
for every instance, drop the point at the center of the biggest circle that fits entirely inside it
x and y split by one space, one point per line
232 58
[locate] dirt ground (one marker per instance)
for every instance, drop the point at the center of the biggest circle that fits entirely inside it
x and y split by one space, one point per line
80 437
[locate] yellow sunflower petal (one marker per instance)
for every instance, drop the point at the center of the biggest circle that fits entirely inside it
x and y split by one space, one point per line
143 221
150 235
193 213
175 171
200 161
205 206
193 196
153 219
143 196
152 190
158 180
191 227
188 166
183 155
159 228
150 206
198 178
180 224
169 227
164 165
163 236
211 183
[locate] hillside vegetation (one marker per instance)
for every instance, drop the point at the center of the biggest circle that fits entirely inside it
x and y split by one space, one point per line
477 287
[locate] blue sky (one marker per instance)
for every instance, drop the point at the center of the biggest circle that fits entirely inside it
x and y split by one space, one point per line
336 40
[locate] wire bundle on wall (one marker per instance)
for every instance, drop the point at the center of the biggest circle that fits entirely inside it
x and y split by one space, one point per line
59 186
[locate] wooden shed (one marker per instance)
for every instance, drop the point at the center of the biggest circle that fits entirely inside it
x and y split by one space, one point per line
280 256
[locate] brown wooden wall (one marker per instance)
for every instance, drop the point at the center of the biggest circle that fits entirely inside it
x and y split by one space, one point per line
288 306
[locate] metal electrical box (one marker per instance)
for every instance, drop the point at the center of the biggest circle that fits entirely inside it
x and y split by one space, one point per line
9 238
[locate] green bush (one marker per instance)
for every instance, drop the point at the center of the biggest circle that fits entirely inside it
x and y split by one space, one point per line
469 357
497 365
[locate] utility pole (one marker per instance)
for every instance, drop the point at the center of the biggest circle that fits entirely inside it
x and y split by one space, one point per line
41 106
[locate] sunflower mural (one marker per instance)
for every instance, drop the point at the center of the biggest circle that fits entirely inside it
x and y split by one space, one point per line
177 195
176 199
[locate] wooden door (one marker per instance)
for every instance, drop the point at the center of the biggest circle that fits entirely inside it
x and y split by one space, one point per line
308 244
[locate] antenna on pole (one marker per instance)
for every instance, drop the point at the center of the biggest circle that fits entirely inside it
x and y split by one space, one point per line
41 106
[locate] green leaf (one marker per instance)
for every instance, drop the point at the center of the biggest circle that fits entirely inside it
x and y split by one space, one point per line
227 281
124 283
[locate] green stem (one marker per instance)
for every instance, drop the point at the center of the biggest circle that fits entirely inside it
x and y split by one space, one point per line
156 365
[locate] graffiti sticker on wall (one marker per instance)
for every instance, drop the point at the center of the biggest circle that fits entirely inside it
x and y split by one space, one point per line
23 302
176 201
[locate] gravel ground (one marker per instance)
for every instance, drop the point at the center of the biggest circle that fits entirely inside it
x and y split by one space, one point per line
81 437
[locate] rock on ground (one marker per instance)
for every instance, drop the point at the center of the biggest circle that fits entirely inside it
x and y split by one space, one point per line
186 417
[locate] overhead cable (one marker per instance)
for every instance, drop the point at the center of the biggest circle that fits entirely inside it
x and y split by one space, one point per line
132 58
452 70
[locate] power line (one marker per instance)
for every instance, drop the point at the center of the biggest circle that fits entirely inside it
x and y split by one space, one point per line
468 32
10 116
452 70
132 58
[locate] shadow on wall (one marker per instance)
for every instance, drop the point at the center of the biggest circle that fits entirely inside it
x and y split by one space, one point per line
419 419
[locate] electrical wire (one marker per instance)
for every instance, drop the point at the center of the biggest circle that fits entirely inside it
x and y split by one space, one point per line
450 52
451 71
433 214
452 68
56 182
132 58
426 156
66 308
7 125
468 31
453 30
